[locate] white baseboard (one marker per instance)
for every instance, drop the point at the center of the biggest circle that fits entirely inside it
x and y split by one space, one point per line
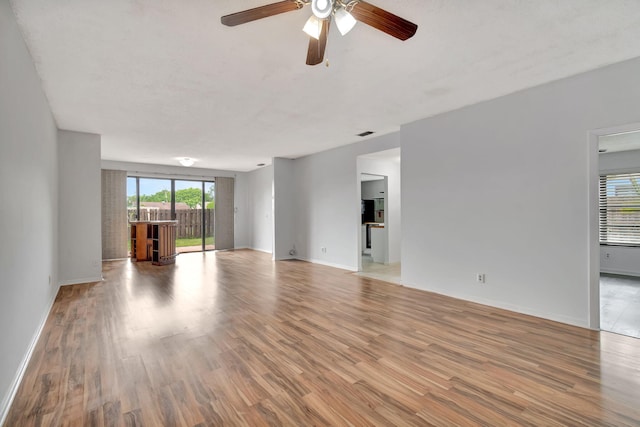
555 317
260 250
329 264
8 400
82 280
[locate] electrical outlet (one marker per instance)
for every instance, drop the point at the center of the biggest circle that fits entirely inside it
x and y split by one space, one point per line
607 255
324 250
480 277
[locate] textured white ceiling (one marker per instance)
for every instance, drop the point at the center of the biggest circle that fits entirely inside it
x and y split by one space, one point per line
161 79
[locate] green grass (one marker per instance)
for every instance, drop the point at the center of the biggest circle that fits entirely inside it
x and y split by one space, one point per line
180 243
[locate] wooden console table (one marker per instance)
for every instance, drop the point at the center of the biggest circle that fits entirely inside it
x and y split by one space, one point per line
154 241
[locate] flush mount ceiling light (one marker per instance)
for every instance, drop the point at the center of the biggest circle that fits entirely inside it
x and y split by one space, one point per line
186 161
345 13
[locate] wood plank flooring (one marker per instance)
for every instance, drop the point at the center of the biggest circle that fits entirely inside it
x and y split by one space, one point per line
232 338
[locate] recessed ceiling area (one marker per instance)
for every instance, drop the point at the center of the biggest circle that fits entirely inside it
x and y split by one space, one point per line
160 80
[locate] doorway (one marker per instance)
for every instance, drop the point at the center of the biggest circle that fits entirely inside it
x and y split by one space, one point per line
618 232
373 189
378 222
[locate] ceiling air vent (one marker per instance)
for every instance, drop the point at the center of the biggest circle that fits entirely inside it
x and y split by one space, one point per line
367 133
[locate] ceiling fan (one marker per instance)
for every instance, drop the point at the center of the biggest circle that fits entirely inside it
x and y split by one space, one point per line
345 13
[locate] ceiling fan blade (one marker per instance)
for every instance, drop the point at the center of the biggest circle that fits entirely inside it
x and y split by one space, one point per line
315 54
259 12
385 21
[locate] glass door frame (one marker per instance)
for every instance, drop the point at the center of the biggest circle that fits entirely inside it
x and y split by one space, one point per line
203 225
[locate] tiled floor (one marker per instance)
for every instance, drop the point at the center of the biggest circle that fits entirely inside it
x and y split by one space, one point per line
620 304
375 270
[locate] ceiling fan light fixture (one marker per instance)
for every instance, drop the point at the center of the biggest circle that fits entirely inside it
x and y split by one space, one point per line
313 27
344 20
322 8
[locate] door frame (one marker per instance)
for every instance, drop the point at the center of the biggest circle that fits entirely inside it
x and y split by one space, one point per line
593 222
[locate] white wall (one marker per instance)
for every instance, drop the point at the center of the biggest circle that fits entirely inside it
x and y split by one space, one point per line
242 234
374 189
619 162
504 188
260 190
327 202
392 214
620 259
80 208
29 208
284 208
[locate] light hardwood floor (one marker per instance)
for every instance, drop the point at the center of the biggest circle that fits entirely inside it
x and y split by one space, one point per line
232 338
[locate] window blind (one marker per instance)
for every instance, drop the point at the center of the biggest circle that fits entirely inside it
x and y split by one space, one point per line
224 211
620 209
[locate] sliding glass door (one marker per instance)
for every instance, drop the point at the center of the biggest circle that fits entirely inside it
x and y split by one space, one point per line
190 203
189 215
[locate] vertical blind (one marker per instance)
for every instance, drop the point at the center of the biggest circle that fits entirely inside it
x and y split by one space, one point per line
620 209
114 214
225 213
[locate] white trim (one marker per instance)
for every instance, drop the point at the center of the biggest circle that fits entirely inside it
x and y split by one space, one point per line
6 404
518 309
328 264
83 280
262 250
593 232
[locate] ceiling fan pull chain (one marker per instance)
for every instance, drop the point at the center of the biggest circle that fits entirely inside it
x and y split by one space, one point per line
326 55
326 48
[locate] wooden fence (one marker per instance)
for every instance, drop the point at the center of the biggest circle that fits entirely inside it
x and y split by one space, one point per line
189 220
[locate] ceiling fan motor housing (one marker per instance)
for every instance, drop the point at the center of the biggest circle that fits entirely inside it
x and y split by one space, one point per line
322 8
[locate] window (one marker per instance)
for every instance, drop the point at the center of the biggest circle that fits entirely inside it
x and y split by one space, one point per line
620 209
